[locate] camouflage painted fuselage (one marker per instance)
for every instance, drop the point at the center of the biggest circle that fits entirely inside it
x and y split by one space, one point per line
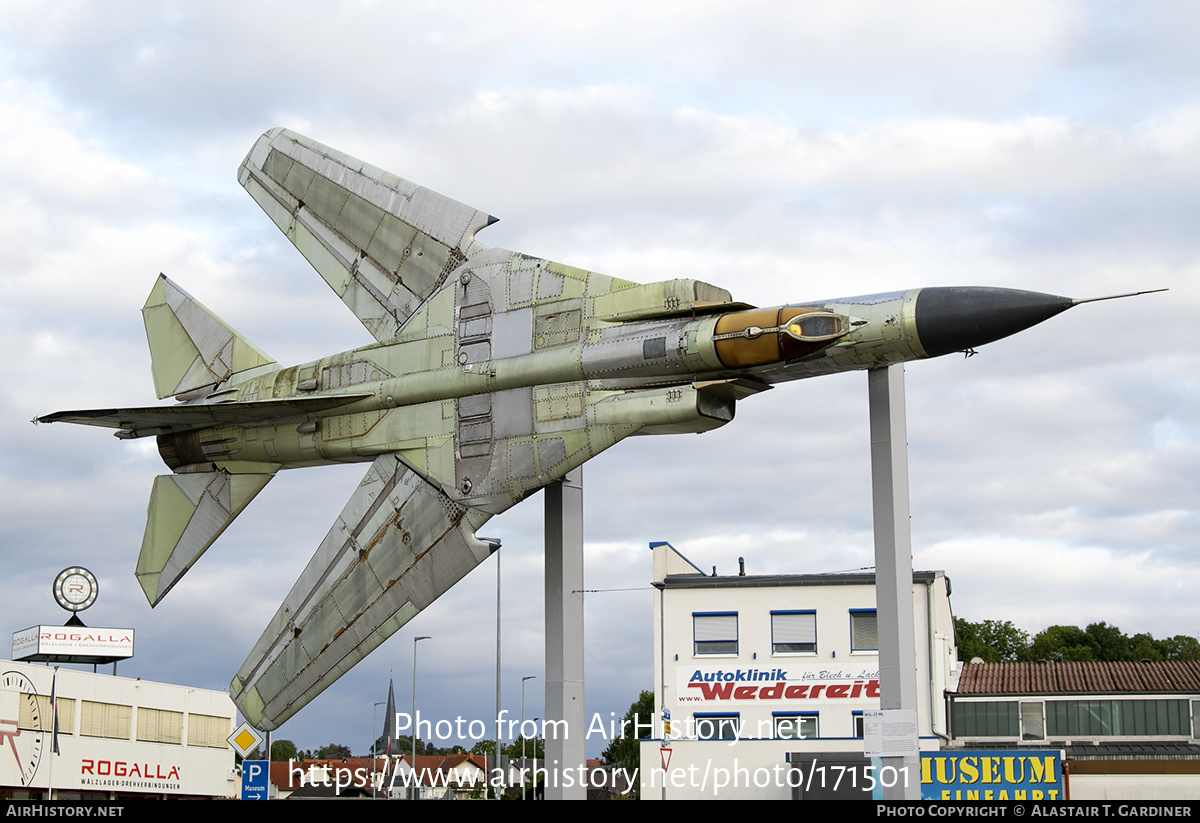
491 392
493 374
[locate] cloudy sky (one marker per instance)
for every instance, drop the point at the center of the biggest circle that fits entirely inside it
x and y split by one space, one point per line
788 152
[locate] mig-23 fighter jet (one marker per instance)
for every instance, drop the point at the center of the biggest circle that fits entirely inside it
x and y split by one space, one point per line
493 374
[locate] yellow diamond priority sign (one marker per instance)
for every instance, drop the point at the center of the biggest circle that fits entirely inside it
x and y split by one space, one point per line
245 739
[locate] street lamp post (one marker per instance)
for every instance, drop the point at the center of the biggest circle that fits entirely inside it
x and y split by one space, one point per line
374 739
523 679
416 786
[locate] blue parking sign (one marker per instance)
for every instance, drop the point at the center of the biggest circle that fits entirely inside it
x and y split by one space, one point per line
254 779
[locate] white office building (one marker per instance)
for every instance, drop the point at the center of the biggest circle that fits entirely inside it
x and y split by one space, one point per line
755 670
116 737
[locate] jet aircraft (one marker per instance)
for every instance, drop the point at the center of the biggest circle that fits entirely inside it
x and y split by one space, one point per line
493 374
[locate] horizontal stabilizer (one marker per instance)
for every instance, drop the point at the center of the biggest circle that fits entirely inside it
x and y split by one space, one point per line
396 547
382 243
190 347
187 513
155 420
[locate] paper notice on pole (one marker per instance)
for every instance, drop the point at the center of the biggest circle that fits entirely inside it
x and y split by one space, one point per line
890 733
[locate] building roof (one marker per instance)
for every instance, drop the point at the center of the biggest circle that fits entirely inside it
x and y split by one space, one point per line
1111 752
286 774
708 581
437 764
1046 677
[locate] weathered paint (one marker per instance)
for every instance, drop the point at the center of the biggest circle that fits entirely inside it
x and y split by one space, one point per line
493 374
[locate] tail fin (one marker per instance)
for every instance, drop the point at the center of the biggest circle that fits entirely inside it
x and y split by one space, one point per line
187 513
190 347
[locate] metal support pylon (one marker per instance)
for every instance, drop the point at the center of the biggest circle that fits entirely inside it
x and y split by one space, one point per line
564 637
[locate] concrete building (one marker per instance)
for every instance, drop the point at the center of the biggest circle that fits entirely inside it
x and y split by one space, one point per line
753 669
117 737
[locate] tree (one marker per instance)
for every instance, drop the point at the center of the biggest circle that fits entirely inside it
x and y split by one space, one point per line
1064 643
534 747
1145 647
997 642
624 751
992 640
333 751
1182 647
1111 643
283 751
403 745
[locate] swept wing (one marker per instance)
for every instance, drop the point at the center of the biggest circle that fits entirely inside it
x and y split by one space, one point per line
382 243
396 547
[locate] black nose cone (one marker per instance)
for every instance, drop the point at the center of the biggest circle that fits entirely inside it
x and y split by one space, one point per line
953 319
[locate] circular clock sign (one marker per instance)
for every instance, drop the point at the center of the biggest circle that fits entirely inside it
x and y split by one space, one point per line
75 588
23 744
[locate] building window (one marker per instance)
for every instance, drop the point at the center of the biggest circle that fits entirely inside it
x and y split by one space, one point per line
992 719
858 725
159 726
1033 726
717 726
795 726
39 719
34 713
715 632
794 632
1085 718
105 720
206 730
864 631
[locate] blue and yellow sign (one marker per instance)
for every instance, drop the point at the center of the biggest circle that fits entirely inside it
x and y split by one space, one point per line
992 775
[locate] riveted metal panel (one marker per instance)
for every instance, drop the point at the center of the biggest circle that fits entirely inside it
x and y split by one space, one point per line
558 402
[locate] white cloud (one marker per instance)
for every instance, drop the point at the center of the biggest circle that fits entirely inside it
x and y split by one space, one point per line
788 155
1040 583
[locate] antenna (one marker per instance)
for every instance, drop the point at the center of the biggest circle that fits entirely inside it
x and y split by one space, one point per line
1077 301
